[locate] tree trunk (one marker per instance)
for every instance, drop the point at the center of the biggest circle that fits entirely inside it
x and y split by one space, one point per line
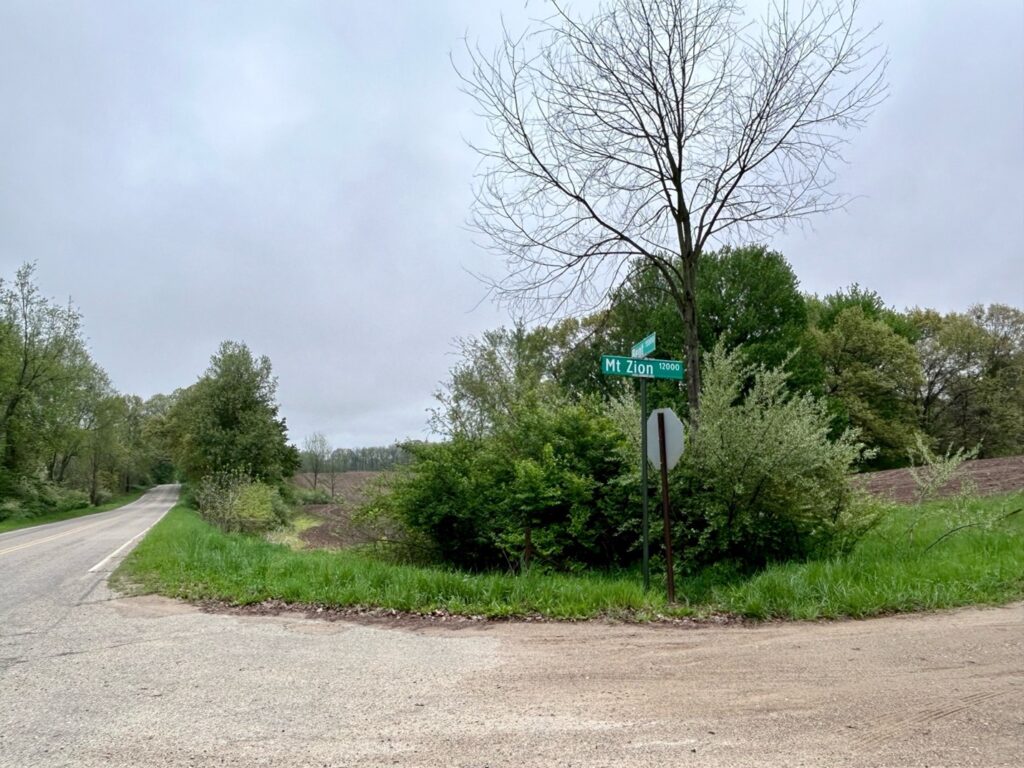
65 462
94 484
691 338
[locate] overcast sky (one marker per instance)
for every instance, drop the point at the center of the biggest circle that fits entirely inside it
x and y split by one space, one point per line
294 175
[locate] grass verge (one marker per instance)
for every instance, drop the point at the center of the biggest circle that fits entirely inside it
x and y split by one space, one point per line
117 501
888 572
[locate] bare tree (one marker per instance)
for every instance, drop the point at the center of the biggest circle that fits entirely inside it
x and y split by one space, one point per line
333 463
316 450
634 139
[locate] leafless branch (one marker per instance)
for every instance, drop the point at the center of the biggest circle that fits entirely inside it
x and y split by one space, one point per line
656 129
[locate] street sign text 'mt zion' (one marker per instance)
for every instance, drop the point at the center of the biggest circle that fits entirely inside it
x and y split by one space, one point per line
638 368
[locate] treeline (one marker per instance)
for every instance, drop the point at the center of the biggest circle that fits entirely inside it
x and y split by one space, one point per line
957 377
67 437
539 463
320 458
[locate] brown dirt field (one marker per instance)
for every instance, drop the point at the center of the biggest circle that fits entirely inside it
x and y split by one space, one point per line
346 484
338 529
990 476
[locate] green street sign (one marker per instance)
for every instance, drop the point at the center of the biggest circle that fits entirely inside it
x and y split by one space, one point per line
615 365
643 348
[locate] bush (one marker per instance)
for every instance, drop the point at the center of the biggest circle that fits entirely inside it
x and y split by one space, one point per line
305 496
12 509
31 497
237 504
70 500
761 481
542 489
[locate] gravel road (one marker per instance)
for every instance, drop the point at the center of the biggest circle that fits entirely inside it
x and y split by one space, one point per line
89 679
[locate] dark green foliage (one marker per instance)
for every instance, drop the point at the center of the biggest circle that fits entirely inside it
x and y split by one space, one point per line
543 488
749 297
973 369
825 312
228 421
746 297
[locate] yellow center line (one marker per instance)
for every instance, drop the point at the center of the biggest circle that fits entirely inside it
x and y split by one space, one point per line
51 538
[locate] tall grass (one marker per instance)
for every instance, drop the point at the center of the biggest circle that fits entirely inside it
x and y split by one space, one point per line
891 572
185 557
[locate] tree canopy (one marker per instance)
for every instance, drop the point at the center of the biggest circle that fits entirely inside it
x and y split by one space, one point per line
228 420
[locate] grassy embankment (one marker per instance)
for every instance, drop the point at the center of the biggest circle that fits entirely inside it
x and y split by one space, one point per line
55 517
186 558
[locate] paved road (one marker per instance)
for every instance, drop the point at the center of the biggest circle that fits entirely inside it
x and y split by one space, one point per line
49 570
89 679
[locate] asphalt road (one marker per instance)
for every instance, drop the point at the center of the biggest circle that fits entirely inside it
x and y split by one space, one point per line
90 679
49 570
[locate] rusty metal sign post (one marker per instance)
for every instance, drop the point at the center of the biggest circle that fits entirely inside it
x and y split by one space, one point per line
664 453
669 567
639 366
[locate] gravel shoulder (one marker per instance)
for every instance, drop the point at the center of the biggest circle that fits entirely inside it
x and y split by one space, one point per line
153 682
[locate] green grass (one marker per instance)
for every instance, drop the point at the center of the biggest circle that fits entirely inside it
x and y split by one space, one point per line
888 574
186 558
55 517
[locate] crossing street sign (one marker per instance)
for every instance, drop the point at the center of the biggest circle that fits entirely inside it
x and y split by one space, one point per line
643 348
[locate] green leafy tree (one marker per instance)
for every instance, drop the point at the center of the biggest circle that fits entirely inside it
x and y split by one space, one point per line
973 378
748 296
62 415
872 378
495 370
228 420
40 344
824 312
105 449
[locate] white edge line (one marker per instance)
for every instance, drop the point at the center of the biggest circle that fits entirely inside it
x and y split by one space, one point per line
128 543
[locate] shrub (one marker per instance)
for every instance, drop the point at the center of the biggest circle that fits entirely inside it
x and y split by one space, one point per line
541 489
305 496
932 472
237 504
761 481
31 497
12 509
70 500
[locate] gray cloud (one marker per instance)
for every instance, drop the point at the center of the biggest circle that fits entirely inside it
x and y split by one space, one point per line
294 176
